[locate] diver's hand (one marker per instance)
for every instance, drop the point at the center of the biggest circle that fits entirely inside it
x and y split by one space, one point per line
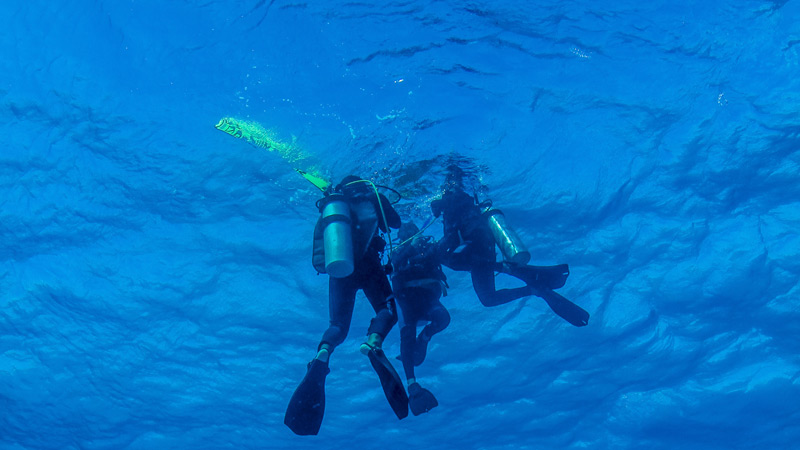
436 208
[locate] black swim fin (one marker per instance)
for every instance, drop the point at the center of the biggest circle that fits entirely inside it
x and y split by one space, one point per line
307 406
420 399
390 382
553 277
567 310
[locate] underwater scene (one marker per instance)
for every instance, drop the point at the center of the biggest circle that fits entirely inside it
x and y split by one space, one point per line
439 224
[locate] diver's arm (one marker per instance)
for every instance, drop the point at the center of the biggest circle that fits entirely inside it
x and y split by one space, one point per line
447 243
392 217
436 207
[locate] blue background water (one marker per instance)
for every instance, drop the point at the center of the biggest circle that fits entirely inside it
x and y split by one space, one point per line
156 289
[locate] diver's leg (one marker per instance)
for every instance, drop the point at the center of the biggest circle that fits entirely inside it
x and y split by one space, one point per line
409 307
483 282
551 277
306 408
420 400
379 293
407 339
439 320
341 300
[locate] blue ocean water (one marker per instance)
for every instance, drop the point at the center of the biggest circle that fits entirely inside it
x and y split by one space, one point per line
156 290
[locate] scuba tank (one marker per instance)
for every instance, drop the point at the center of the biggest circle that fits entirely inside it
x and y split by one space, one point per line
510 244
338 239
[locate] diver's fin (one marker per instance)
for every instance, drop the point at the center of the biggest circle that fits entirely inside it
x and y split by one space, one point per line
420 399
462 244
460 248
321 183
307 406
390 382
567 310
553 277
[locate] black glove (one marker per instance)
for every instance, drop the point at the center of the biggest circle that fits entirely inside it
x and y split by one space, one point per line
436 207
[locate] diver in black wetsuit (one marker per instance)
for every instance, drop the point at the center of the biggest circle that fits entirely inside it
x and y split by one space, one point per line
347 246
418 283
468 245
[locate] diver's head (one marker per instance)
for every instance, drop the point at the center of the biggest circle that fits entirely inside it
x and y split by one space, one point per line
454 180
352 185
407 230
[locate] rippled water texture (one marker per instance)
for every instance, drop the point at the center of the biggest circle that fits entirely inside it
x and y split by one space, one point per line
156 290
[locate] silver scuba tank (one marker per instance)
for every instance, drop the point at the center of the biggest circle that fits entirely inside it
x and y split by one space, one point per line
510 244
338 239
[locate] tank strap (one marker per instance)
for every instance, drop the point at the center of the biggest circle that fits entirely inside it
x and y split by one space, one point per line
335 218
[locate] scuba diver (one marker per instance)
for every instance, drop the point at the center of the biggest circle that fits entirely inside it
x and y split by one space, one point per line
471 230
418 283
348 247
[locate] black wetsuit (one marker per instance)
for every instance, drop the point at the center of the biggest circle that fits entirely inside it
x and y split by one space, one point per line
368 213
418 283
368 274
468 245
